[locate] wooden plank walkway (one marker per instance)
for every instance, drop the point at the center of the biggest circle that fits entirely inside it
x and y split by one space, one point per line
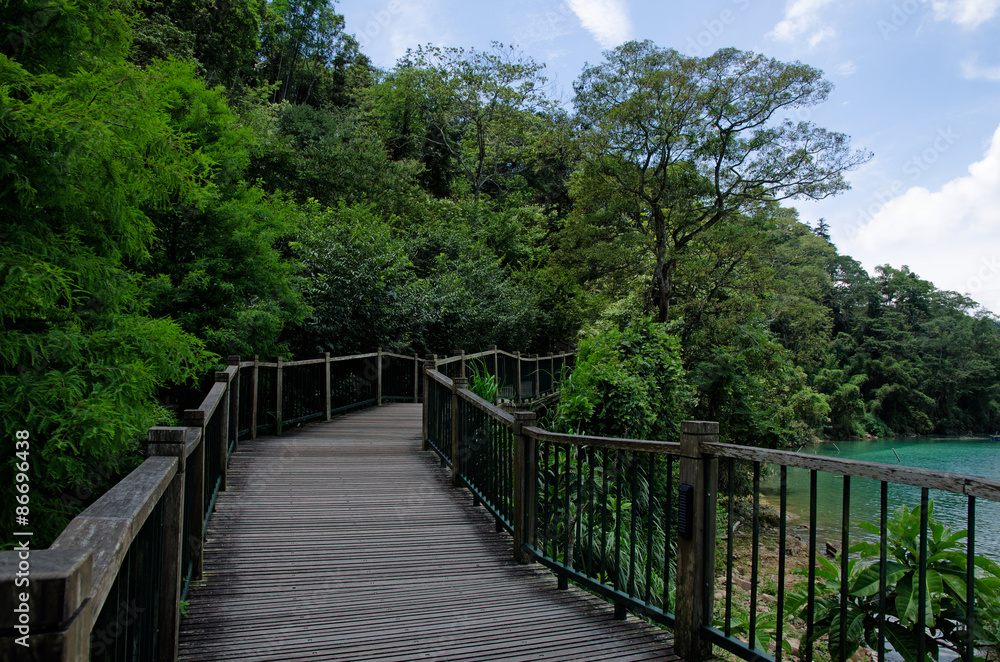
343 541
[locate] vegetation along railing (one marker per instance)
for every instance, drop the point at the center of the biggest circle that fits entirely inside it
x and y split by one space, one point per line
112 585
643 523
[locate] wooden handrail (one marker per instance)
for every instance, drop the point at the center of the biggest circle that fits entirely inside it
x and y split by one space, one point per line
442 379
109 525
212 400
986 488
487 407
665 447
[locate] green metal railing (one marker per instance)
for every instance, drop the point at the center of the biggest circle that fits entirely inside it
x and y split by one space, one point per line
606 519
303 392
519 377
437 422
401 378
642 522
127 626
485 460
871 591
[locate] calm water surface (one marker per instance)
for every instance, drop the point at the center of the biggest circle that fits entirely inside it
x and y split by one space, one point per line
974 456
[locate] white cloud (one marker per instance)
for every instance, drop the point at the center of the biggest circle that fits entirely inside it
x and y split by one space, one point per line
803 20
846 68
607 20
419 23
972 70
539 27
950 236
389 28
967 13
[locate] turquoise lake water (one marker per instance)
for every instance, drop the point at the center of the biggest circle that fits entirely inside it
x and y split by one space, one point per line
974 456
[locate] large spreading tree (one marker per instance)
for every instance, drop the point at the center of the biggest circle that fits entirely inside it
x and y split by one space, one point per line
678 145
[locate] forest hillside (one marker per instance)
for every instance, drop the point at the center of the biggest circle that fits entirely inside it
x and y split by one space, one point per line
182 181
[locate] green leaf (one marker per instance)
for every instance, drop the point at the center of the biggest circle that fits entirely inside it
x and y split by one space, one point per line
855 632
988 565
903 641
906 601
868 580
956 583
871 528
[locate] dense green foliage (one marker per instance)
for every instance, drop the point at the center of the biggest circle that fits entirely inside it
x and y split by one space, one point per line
185 180
626 383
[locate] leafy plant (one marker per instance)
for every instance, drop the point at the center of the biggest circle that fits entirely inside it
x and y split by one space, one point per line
764 627
482 383
945 605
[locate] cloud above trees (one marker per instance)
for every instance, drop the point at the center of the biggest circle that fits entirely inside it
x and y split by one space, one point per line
607 20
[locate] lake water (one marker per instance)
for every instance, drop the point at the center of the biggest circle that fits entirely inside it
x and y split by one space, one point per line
974 456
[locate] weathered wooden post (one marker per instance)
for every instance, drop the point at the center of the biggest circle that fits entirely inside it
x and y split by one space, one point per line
195 418
430 363
234 397
517 392
378 378
253 391
416 378
536 389
170 442
326 385
524 486
279 384
457 384
696 540
496 364
48 613
223 412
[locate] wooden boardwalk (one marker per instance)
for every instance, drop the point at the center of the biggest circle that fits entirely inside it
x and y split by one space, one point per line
342 541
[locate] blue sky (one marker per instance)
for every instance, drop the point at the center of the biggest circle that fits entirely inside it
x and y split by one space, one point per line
917 82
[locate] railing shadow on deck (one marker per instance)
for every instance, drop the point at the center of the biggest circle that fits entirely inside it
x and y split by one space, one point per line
112 585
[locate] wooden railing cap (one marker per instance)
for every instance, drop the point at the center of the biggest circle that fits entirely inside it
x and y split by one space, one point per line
60 581
700 427
161 434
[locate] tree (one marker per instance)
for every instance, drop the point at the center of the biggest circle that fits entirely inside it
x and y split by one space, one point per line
479 107
62 36
627 382
822 229
332 156
82 158
688 143
358 278
301 40
223 36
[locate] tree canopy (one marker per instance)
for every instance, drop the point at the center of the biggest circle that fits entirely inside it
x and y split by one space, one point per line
687 143
182 181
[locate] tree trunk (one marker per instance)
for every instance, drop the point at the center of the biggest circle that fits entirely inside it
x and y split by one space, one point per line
663 273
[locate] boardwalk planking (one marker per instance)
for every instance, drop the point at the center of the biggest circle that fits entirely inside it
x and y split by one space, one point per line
342 541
